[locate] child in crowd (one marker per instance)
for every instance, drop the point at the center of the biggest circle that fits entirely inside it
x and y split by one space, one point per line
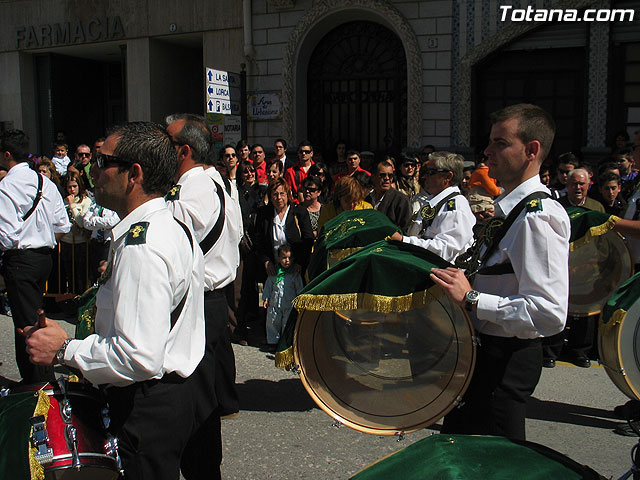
279 291
60 158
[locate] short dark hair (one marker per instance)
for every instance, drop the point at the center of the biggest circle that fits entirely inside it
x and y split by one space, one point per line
149 145
256 145
352 152
281 140
305 143
534 123
285 248
277 163
16 142
569 158
609 177
194 133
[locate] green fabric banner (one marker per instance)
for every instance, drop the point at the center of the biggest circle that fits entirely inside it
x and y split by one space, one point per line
467 457
588 223
386 276
625 296
15 411
346 233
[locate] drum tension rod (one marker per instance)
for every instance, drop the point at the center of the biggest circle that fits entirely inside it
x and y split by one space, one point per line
400 436
336 423
295 369
39 439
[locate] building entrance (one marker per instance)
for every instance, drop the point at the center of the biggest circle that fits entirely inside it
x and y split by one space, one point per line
357 84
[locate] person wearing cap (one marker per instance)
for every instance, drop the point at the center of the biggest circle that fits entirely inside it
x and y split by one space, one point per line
444 222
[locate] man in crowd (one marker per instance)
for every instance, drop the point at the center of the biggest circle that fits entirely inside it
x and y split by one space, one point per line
32 220
353 166
577 190
295 175
149 330
280 149
388 200
444 224
523 293
566 162
257 157
82 162
199 202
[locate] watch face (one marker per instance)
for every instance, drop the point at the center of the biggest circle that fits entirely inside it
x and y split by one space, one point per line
472 295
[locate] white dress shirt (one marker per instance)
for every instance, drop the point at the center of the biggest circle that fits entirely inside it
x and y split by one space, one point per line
198 207
278 232
18 190
533 301
99 220
450 232
133 340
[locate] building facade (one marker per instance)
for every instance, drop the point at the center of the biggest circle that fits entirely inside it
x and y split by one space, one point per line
381 75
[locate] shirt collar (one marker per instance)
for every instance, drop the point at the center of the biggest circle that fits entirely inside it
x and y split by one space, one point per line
136 216
20 165
433 200
509 201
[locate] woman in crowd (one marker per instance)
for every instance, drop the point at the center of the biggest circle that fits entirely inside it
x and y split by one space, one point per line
312 189
348 194
407 180
74 244
320 170
48 169
282 222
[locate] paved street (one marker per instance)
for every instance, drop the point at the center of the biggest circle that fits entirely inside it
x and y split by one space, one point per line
281 434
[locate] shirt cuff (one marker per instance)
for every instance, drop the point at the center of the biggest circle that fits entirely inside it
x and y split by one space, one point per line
70 352
487 307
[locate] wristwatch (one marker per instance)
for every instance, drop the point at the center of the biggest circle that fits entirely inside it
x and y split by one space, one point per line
61 350
471 299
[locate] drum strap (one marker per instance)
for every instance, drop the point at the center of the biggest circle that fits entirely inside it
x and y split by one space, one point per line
175 314
426 222
36 200
498 269
213 235
472 260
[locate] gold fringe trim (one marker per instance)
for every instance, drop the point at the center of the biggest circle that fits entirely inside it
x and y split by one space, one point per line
338 254
367 301
614 322
42 408
594 232
284 359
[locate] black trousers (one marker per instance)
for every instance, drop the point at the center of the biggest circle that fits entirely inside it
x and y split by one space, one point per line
152 421
25 273
506 374
213 392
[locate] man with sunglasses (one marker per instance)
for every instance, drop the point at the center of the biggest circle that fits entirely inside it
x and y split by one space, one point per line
443 224
295 175
82 162
520 287
387 199
149 325
209 211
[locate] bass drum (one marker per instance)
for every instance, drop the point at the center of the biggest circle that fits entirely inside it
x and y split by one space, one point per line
386 373
619 342
596 269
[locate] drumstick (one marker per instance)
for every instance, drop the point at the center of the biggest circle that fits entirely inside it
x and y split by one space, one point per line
42 322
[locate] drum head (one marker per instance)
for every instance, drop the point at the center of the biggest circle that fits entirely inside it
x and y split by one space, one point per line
386 373
596 270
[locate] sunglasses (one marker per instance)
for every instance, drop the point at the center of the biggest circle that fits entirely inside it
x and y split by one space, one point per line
304 152
433 171
249 170
409 165
102 159
563 171
387 175
229 155
83 154
311 189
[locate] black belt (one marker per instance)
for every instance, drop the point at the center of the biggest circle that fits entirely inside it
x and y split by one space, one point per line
511 341
21 251
218 292
171 378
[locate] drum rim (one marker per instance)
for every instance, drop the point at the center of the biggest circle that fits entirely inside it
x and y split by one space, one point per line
597 311
322 404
